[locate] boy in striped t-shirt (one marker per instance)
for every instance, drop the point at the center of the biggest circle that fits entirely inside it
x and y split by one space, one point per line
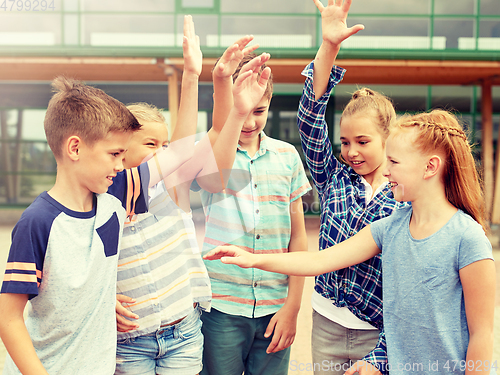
253 318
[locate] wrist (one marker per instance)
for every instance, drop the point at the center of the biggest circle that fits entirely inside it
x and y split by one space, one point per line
293 306
190 75
222 79
257 261
239 114
330 47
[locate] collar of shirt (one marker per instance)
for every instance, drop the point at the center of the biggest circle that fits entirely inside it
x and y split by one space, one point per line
265 145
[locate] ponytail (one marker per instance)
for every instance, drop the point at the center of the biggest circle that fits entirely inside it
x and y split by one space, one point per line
374 104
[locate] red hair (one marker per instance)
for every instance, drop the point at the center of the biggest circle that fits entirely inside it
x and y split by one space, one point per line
440 131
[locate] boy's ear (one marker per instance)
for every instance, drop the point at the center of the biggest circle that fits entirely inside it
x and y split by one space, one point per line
73 145
433 166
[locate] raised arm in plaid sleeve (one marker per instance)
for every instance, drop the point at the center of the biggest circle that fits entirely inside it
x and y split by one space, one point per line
313 128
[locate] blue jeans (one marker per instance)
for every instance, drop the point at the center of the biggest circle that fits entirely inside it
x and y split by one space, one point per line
175 349
234 344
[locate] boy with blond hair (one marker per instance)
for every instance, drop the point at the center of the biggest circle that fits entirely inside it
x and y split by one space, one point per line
64 252
160 266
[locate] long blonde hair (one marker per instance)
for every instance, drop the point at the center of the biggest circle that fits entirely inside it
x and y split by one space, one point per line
440 130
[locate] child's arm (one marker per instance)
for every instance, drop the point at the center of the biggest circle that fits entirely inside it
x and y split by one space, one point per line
15 336
478 282
215 175
354 250
320 81
246 92
187 117
334 31
222 75
181 147
211 160
284 322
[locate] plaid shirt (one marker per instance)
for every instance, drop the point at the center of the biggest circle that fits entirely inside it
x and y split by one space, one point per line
344 212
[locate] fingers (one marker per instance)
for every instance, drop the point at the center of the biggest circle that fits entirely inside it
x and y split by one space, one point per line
264 76
270 326
280 340
239 46
212 255
125 325
229 53
123 298
188 26
346 5
269 331
256 63
219 252
231 260
319 5
250 49
122 310
189 32
243 76
243 41
353 30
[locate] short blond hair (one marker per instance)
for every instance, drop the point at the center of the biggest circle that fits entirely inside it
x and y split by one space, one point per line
85 111
146 112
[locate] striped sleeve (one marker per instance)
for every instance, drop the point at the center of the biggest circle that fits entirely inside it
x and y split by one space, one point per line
24 269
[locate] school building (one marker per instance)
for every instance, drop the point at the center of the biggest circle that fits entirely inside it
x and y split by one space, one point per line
423 54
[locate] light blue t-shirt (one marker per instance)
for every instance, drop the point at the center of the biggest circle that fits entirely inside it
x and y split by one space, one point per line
424 312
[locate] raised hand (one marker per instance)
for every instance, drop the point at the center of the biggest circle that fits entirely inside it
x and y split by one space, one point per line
333 21
232 56
231 255
193 58
250 84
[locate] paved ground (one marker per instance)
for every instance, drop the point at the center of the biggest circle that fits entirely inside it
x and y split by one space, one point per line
301 353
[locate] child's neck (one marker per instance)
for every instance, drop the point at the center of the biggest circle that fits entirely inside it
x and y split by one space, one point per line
252 147
70 196
375 180
430 215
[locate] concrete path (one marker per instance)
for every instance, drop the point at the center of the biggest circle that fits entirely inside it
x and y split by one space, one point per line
301 353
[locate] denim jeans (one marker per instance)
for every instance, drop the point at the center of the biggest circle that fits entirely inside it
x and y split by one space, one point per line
234 344
175 349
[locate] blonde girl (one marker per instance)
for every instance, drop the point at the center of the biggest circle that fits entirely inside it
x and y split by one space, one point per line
439 275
